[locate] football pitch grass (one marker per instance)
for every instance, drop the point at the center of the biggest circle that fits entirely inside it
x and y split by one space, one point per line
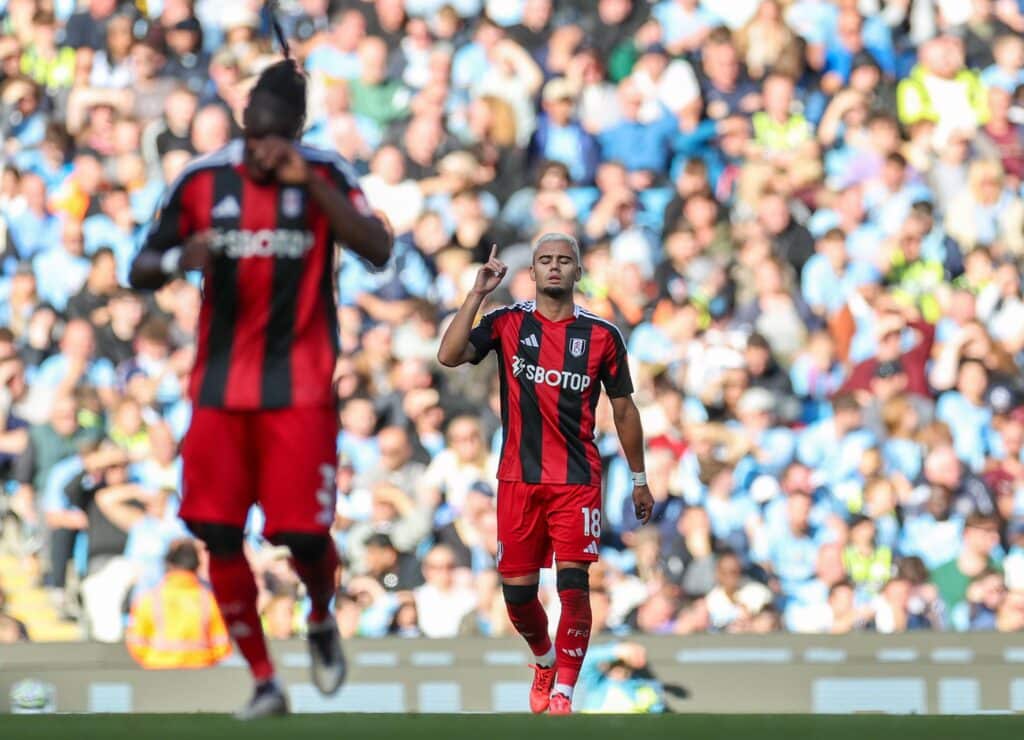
519 727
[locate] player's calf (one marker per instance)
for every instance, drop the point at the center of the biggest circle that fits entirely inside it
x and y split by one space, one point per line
531 621
315 559
235 590
573 634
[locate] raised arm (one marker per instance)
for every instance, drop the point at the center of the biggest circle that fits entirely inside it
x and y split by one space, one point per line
352 221
364 234
456 348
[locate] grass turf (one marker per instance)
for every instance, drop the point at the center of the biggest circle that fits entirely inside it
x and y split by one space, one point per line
500 727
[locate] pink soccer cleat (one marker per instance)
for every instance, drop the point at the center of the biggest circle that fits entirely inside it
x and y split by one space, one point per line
540 691
560 704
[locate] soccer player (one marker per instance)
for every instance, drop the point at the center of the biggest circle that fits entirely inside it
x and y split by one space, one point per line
260 218
552 355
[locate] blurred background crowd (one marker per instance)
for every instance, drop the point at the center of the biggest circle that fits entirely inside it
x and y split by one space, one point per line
805 216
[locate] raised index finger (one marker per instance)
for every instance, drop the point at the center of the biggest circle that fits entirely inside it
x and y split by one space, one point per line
494 252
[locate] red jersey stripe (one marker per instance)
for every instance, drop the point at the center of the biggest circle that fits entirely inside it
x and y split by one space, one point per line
199 189
599 337
507 329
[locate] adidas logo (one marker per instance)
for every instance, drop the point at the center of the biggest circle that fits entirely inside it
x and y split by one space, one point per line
591 548
530 341
227 208
574 652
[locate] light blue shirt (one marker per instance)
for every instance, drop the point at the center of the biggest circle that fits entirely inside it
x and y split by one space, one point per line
902 456
429 8
406 268
729 516
837 458
364 453
147 544
331 62
792 557
677 23
933 541
33 235
61 474
59 275
778 444
995 76
101 231
469 66
99 374
970 425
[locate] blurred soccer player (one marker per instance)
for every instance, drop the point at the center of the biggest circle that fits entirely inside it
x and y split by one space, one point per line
260 218
552 355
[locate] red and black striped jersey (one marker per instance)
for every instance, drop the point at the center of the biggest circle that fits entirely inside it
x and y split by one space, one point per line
550 373
268 332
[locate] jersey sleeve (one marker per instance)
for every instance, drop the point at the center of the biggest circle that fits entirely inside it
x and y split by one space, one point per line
484 336
614 370
345 177
171 226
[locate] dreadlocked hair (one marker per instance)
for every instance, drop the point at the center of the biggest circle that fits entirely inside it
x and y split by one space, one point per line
284 81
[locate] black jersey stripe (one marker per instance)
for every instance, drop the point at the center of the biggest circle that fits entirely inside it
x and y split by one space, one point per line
570 403
223 287
276 392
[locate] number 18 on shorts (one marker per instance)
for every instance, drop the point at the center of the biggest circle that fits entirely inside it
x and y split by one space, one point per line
538 520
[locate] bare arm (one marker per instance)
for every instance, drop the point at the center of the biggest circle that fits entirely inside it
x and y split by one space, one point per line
14 442
631 437
455 347
115 503
365 235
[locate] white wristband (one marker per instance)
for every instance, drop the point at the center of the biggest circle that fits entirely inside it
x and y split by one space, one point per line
639 479
171 261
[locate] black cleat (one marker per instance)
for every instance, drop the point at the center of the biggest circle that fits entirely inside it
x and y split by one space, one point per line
267 701
327 660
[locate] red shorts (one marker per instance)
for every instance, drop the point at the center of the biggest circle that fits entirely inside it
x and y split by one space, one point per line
538 520
282 459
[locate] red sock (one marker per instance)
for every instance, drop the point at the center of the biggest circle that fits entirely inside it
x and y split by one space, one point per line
319 579
572 637
531 621
235 590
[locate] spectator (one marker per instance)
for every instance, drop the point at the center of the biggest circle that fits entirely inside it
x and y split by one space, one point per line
941 68
809 242
735 600
614 678
953 579
393 513
177 624
996 213
441 602
394 570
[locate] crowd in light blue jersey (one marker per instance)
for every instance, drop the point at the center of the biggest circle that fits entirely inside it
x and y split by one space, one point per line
806 218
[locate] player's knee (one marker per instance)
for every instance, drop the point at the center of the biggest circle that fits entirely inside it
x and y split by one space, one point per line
305 547
519 594
222 540
570 579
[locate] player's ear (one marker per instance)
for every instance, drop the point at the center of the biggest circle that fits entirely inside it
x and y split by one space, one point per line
533 274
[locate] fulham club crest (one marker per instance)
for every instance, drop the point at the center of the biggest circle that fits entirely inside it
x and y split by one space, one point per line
291 202
577 347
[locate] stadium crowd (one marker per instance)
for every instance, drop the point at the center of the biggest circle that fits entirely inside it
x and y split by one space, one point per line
805 216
